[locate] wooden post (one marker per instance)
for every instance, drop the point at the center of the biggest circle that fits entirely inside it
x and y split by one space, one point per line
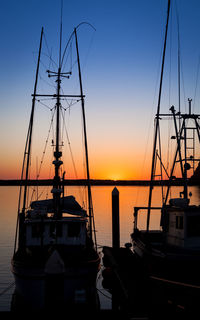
115 240
115 219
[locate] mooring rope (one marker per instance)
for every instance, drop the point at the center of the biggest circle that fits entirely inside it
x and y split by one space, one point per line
176 282
8 288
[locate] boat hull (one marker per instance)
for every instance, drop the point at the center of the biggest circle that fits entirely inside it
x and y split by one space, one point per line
37 290
173 274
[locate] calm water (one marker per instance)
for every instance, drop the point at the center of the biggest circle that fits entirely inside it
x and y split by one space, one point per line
129 197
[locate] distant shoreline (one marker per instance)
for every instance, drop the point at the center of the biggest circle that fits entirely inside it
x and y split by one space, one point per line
97 182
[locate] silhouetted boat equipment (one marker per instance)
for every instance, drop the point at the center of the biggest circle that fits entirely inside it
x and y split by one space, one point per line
171 254
55 261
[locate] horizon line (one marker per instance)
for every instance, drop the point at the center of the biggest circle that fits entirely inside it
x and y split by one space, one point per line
96 182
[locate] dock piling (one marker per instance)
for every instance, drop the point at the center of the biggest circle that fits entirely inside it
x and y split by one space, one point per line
115 219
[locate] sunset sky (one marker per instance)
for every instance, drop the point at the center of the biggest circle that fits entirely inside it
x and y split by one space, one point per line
121 64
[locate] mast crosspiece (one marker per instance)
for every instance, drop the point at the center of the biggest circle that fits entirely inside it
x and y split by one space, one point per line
62 74
57 189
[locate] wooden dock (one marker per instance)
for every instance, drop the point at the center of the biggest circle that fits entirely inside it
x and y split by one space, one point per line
135 294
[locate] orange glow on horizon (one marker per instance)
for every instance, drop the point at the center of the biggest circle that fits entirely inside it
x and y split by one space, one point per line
103 166
112 167
99 173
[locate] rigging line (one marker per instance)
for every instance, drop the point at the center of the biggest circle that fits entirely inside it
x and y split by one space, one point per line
170 60
168 144
84 167
28 189
50 53
51 83
7 288
179 65
71 153
45 67
53 138
48 99
69 144
32 195
91 217
43 154
46 142
150 122
160 156
88 51
157 119
85 22
43 64
72 34
48 83
43 104
72 66
86 57
105 295
183 85
60 49
30 132
68 42
71 57
71 103
50 64
197 77
47 187
49 57
69 54
62 135
44 80
21 186
65 99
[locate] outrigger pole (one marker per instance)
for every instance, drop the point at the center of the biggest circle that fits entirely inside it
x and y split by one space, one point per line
31 122
90 206
153 166
27 151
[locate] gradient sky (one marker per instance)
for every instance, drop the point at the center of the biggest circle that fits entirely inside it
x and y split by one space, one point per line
121 64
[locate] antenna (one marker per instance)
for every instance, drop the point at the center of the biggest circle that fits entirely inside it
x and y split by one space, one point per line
179 68
156 134
61 13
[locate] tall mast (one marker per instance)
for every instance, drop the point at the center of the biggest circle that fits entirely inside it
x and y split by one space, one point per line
157 122
27 152
91 218
179 76
31 123
57 154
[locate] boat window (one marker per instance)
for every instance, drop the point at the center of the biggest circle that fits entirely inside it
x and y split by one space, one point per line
59 229
193 226
73 229
55 229
179 222
36 230
52 229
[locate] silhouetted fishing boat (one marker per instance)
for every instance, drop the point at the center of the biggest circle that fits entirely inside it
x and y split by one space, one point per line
171 254
55 261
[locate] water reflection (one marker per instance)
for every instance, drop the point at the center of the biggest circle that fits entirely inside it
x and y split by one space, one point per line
129 197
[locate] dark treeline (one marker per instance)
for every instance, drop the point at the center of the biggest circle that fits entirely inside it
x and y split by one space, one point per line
95 182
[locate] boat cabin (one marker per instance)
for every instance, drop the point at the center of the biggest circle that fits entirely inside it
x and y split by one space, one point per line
68 231
182 224
42 229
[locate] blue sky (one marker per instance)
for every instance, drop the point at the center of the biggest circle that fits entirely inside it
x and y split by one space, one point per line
121 68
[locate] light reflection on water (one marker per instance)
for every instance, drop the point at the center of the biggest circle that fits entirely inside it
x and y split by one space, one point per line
129 197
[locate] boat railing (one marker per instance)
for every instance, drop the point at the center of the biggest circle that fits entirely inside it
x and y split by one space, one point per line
137 210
